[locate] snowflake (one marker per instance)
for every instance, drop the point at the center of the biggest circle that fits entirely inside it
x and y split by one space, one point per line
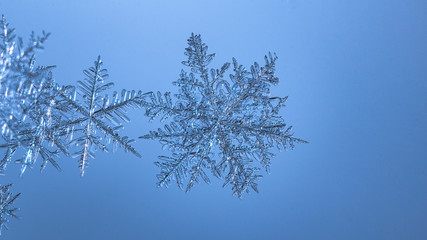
6 200
235 119
40 118
93 123
26 93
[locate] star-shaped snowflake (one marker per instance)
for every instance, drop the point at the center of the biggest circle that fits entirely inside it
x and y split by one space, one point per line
235 120
93 122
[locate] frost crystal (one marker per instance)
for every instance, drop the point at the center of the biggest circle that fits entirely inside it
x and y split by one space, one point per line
235 119
6 201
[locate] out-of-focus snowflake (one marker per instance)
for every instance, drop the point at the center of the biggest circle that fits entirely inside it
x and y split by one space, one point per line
26 96
6 202
40 118
234 119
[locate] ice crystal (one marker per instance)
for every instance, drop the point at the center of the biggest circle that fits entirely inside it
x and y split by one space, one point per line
234 119
94 121
26 93
226 126
40 118
6 209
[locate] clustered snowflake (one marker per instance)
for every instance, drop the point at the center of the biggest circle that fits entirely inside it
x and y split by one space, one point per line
224 125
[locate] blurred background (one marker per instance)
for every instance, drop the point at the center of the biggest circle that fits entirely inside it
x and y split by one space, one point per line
356 76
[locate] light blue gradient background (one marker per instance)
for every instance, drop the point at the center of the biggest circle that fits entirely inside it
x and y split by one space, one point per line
356 76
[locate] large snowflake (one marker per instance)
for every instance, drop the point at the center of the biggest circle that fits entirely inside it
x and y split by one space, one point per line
235 120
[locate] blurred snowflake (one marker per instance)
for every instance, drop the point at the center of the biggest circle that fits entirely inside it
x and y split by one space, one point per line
26 97
6 201
41 118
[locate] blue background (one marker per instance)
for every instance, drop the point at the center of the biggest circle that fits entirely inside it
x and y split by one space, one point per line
356 76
